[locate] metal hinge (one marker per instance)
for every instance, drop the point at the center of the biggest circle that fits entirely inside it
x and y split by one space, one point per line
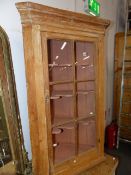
99 140
47 99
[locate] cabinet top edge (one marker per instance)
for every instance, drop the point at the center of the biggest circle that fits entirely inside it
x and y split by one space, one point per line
29 10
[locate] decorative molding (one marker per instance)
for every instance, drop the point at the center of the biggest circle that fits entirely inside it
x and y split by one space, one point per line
32 13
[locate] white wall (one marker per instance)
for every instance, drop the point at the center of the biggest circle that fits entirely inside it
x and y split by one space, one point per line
109 11
10 21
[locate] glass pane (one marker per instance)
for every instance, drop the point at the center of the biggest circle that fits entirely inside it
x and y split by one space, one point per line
63 142
86 99
85 53
87 134
5 151
60 60
85 86
61 103
86 104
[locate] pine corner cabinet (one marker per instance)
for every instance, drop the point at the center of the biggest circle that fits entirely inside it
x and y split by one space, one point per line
65 68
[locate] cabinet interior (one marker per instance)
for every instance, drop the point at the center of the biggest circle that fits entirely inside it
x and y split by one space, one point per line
71 67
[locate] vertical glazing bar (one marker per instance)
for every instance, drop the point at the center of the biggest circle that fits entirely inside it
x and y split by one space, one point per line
75 98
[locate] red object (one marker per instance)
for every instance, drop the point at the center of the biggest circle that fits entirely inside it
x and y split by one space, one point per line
111 134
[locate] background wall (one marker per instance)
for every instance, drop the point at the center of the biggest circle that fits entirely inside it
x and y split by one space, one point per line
10 21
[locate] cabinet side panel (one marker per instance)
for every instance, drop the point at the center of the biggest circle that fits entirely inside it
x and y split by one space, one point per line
41 100
36 100
31 93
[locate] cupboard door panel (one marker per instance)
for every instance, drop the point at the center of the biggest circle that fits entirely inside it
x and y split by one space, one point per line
60 60
61 103
71 102
64 142
86 105
87 135
85 53
62 109
85 86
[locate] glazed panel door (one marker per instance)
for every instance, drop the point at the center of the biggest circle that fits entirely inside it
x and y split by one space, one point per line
72 86
85 95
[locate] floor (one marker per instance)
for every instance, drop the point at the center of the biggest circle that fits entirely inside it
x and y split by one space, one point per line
124 155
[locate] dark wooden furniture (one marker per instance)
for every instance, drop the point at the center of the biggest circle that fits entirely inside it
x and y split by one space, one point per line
125 117
65 71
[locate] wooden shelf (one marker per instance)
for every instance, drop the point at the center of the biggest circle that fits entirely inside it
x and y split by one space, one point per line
70 65
120 69
85 92
60 121
61 94
128 47
127 74
57 130
86 65
82 81
87 117
60 82
67 82
126 114
127 87
68 126
126 127
128 61
85 123
60 65
127 102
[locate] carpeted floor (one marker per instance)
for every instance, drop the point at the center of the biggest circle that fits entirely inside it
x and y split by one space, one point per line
124 155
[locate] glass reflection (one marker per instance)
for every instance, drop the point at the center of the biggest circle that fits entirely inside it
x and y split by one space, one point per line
5 151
